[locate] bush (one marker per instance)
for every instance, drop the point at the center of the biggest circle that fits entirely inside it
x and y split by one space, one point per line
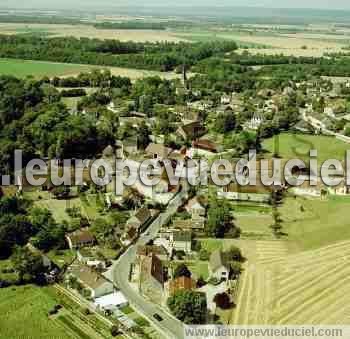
204 255
114 330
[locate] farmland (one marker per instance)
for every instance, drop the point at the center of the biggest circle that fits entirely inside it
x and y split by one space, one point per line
292 146
39 69
308 288
319 223
24 310
272 43
88 31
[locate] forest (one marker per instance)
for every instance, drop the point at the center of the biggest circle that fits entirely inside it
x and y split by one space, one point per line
161 56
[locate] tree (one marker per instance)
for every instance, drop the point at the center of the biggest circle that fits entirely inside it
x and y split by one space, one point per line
223 301
277 222
143 134
234 253
236 269
204 255
29 265
182 271
244 142
188 306
225 122
114 330
220 220
347 130
48 233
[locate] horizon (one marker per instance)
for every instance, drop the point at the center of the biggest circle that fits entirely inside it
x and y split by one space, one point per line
339 5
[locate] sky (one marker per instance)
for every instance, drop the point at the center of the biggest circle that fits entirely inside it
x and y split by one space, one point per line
86 4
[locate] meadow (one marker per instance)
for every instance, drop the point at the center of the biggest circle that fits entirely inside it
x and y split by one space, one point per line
24 311
40 69
314 223
295 146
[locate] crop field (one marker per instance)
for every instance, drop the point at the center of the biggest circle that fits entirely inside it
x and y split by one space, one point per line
311 287
23 314
39 69
271 42
87 31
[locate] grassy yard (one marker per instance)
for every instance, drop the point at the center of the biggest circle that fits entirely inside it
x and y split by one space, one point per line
292 146
23 314
58 207
61 257
127 309
317 223
199 269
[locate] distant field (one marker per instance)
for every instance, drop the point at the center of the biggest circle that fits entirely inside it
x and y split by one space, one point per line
292 146
271 42
89 32
39 69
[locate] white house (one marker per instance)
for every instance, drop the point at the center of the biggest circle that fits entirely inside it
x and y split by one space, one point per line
218 267
116 299
195 208
92 281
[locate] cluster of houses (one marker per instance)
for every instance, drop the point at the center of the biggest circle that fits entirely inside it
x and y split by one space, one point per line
153 269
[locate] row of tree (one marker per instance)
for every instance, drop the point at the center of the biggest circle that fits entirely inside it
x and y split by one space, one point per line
162 56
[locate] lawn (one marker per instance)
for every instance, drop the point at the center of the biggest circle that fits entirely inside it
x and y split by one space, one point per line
23 314
294 146
317 223
199 269
58 207
61 257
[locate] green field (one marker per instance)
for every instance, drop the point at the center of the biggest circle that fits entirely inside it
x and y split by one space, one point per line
23 314
322 222
38 69
297 146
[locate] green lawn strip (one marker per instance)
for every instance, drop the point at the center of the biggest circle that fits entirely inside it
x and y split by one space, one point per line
127 310
142 322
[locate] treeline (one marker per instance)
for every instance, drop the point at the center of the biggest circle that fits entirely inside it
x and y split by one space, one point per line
131 25
26 19
246 59
161 56
144 25
96 78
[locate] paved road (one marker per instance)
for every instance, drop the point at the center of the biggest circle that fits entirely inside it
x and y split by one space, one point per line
169 326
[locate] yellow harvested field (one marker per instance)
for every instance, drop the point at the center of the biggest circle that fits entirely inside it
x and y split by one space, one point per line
318 36
292 45
91 32
277 288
